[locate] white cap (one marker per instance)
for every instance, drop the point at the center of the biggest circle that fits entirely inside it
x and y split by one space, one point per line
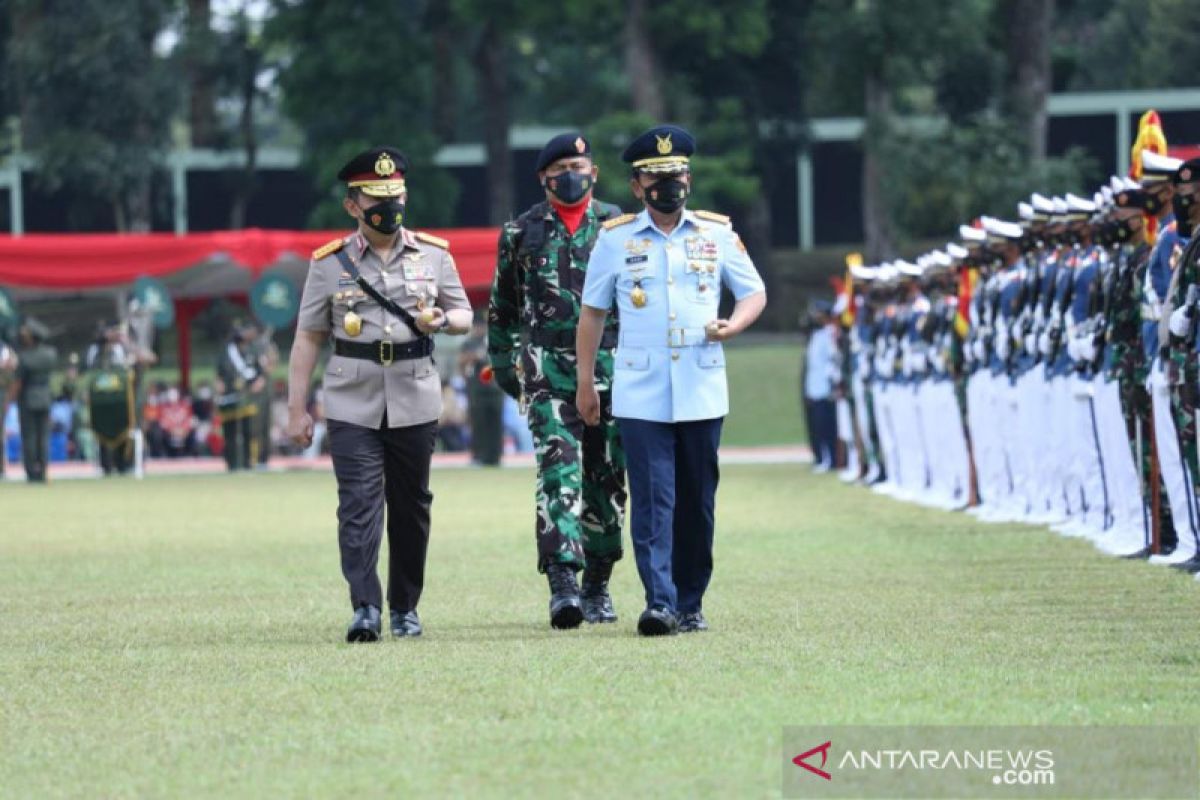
940 258
861 273
1078 205
956 251
1060 206
969 233
1025 211
1158 168
1041 204
907 268
999 229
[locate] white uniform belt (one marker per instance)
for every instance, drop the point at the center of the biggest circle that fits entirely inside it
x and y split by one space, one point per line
676 337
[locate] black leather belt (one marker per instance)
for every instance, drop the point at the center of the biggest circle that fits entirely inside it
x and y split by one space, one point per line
384 352
565 340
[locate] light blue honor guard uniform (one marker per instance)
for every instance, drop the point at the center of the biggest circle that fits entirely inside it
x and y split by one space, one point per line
669 386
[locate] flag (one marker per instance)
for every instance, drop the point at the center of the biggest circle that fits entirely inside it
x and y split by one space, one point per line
1150 137
848 310
967 277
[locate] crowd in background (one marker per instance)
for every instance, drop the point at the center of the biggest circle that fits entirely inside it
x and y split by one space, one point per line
180 423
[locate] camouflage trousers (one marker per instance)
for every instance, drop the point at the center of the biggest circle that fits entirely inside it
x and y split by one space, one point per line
580 482
1182 371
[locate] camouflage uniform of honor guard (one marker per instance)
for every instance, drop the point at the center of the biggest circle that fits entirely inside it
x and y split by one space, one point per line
543 257
1182 316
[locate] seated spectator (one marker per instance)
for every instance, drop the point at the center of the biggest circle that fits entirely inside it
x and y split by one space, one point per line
151 424
178 424
202 414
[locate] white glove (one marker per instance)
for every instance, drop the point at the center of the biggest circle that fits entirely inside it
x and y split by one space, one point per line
1180 322
1031 343
1085 349
1044 343
938 362
977 349
1073 348
1003 344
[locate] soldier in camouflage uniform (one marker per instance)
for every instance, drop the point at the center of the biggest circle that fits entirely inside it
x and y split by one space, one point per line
1182 316
532 316
1127 362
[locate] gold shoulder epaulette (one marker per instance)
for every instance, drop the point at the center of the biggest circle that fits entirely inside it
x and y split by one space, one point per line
713 216
433 240
328 249
618 221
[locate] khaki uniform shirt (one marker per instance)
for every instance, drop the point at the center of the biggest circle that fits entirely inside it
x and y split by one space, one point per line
419 273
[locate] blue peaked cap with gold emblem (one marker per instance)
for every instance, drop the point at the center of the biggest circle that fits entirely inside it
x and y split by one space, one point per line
663 148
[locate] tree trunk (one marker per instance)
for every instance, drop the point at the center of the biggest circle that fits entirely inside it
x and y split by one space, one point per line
1027 46
877 222
445 87
133 215
202 115
492 73
641 66
250 57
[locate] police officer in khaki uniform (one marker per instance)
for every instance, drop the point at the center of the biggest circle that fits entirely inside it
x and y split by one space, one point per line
378 294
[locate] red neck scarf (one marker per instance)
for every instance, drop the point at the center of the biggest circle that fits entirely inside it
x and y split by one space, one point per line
571 216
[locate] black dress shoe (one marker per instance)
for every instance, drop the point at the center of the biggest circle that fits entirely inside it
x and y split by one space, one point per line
1192 565
566 610
597 602
405 623
692 621
366 625
657 622
1140 555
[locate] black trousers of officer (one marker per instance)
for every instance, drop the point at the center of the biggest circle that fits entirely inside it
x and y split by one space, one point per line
373 466
35 442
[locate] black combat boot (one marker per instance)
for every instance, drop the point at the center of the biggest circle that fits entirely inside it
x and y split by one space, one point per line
597 602
566 610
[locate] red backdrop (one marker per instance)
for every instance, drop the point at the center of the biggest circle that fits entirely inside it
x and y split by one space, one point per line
87 261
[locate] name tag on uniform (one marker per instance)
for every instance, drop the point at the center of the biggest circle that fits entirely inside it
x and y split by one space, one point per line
636 259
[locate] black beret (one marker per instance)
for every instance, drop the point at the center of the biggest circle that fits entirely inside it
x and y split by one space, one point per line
565 145
663 148
379 172
1188 171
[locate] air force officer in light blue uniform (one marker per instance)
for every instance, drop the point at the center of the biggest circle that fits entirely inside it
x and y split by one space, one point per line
665 268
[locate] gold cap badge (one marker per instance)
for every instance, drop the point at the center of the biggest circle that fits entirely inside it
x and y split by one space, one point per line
664 144
580 145
384 165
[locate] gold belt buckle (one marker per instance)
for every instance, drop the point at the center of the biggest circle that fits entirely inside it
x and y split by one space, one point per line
675 337
385 353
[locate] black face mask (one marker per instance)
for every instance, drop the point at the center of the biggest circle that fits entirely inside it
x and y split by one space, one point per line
386 216
667 196
1151 204
1182 204
1123 232
1105 233
569 187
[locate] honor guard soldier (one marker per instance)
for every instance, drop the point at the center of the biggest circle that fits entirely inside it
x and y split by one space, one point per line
36 360
379 295
543 259
240 380
664 268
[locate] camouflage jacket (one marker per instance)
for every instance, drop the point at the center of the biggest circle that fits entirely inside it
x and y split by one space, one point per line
535 300
1123 314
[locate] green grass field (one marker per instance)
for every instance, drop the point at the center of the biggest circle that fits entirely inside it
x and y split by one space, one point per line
183 637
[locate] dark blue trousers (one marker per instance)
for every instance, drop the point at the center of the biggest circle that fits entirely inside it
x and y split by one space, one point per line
673 475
